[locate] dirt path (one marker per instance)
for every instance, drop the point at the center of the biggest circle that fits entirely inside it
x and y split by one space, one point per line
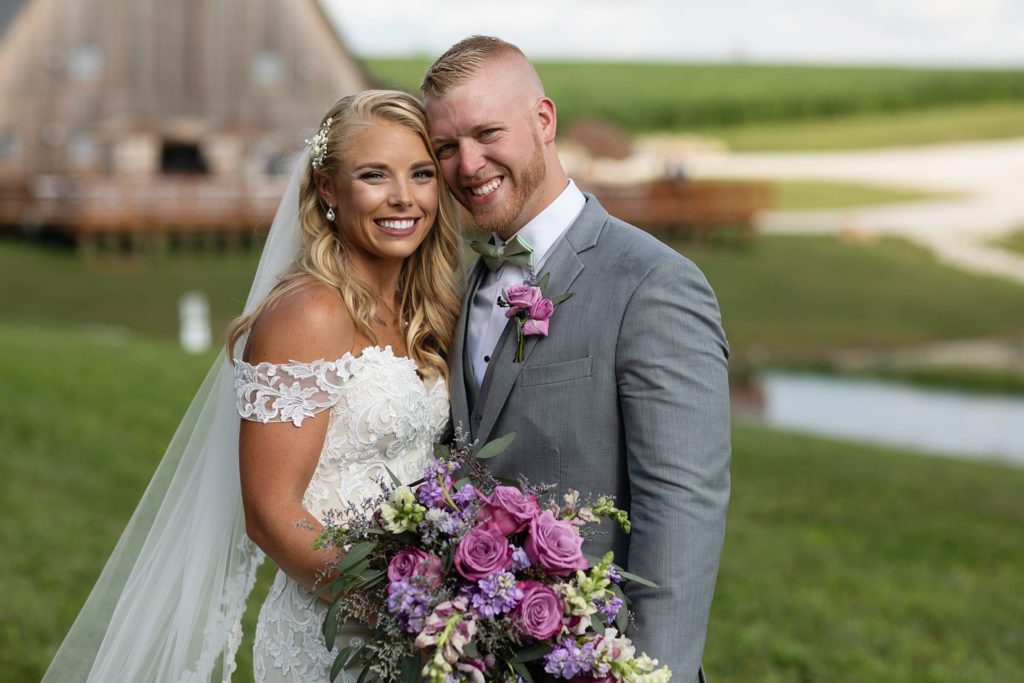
988 177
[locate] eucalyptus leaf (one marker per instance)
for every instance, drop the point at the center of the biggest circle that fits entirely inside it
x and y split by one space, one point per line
555 300
530 654
330 627
638 579
441 451
340 661
394 479
523 672
543 282
356 554
597 624
410 670
496 447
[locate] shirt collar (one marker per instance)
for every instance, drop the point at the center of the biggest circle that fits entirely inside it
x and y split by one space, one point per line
543 231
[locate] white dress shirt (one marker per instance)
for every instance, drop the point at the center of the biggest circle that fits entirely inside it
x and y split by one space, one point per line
486 318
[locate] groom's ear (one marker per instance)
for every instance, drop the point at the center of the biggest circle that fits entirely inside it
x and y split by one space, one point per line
325 187
547 119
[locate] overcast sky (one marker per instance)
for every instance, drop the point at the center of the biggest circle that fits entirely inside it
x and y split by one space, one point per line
947 32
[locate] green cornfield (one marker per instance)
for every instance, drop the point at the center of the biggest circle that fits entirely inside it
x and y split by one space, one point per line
649 96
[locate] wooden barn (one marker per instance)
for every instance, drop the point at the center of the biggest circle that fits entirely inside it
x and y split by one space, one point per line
153 119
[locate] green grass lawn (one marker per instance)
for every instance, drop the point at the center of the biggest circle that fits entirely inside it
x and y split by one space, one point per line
952 123
784 299
794 299
842 563
803 195
1013 242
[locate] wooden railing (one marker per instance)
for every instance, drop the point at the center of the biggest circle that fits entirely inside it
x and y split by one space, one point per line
700 207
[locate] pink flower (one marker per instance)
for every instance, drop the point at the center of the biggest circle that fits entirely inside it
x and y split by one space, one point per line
482 552
540 312
412 562
554 545
539 613
521 298
509 510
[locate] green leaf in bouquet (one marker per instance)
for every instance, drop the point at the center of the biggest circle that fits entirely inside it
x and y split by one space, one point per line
496 447
460 483
638 579
330 627
340 661
470 650
394 478
441 451
521 669
597 624
372 579
531 654
363 674
555 300
542 283
410 670
622 620
356 554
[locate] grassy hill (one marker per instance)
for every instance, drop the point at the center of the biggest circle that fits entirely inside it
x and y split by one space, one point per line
842 563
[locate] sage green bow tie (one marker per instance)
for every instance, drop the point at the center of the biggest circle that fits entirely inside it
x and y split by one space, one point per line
514 251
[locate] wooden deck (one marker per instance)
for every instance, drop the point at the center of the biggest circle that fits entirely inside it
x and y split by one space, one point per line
699 208
93 211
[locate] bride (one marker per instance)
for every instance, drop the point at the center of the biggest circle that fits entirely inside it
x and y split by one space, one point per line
341 372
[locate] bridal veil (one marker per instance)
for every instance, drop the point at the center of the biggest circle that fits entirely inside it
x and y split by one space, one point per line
167 607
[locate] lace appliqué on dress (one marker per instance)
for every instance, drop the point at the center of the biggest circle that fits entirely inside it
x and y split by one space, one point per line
289 392
383 416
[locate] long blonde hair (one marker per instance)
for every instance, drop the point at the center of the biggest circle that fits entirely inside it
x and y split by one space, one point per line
429 299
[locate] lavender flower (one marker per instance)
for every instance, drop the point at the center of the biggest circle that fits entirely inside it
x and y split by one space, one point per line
409 602
613 575
496 594
431 494
464 496
520 560
569 660
609 608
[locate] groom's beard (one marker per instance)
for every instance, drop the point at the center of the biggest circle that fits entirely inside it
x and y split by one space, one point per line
519 188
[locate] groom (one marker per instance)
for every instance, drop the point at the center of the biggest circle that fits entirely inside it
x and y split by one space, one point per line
627 395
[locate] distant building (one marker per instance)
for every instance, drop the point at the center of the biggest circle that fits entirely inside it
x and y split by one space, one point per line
121 103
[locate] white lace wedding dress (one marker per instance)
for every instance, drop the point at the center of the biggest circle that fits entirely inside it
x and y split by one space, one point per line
382 413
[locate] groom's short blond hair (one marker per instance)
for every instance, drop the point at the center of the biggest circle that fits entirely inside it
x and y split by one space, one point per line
462 60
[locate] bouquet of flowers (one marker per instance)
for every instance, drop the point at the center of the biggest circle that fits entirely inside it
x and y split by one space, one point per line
470 579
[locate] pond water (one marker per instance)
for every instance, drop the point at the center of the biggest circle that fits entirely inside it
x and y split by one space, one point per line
936 421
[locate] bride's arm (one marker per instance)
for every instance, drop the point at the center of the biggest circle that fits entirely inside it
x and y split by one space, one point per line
278 459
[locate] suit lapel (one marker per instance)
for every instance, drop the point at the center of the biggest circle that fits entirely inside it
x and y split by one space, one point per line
457 356
564 266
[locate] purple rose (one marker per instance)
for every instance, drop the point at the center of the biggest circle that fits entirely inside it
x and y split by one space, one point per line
539 613
521 298
482 552
540 312
414 562
554 545
509 510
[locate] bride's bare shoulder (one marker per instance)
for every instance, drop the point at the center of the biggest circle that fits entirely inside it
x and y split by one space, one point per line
309 322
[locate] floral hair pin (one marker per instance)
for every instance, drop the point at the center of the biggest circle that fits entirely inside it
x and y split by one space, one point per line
318 144
530 309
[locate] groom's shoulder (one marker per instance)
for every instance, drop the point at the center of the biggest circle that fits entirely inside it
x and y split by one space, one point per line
636 250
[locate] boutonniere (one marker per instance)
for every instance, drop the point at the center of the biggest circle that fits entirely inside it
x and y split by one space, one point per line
530 309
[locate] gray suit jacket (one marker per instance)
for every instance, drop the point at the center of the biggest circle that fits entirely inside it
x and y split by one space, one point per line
627 396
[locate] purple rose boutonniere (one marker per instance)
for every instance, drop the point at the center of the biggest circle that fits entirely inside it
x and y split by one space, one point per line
530 309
